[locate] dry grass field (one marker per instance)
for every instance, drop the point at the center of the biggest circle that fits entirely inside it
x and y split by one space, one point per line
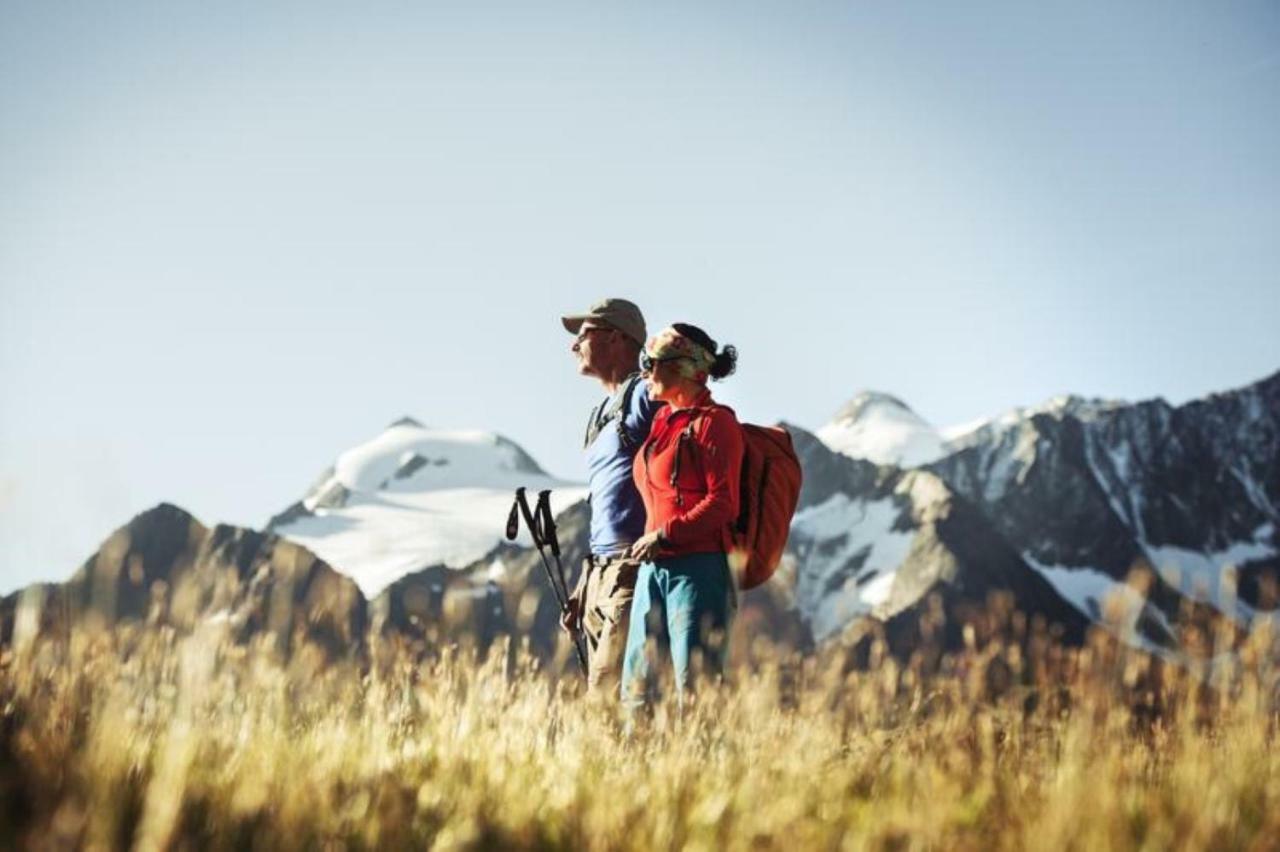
146 740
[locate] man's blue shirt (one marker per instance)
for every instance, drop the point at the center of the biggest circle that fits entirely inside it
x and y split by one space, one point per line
617 512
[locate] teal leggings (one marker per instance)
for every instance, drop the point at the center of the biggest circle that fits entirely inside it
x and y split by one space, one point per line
686 603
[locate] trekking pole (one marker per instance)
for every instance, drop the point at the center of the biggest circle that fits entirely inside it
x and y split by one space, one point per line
547 531
538 531
542 527
545 524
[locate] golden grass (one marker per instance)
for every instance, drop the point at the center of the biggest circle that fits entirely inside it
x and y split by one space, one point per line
145 740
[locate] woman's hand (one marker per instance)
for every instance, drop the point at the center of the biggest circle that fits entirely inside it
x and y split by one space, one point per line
647 546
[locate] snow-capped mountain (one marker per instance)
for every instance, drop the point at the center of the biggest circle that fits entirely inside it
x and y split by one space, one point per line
875 541
882 429
967 434
412 498
1087 490
1052 507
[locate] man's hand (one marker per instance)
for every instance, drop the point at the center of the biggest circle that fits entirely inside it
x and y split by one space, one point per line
647 546
571 617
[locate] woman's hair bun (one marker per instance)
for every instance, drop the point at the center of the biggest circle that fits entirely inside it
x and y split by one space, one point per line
726 362
726 358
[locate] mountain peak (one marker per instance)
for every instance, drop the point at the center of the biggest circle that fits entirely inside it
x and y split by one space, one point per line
406 421
163 511
882 429
1080 407
868 400
412 498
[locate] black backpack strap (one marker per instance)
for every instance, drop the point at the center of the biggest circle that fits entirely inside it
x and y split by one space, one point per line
600 416
624 437
593 427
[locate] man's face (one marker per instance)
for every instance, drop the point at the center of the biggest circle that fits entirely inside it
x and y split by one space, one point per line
596 348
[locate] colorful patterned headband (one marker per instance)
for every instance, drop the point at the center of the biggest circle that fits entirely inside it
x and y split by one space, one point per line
695 362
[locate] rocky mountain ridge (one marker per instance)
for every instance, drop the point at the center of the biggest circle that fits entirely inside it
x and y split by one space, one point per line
1169 511
165 568
1055 508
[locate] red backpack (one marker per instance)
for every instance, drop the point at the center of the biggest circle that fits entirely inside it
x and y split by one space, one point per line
768 495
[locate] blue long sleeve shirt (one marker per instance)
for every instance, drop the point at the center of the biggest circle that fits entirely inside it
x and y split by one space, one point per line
617 512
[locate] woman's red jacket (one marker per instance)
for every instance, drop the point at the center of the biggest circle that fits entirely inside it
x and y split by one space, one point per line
689 477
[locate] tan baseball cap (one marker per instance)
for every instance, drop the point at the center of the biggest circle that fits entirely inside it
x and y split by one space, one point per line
617 313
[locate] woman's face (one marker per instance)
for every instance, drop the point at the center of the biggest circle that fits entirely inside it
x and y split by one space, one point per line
664 379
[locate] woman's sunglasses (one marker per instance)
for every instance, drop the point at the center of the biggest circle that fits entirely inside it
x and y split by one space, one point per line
647 363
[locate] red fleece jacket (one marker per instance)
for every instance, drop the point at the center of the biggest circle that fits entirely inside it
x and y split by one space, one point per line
690 482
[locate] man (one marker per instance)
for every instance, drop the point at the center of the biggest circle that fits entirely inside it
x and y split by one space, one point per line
607 343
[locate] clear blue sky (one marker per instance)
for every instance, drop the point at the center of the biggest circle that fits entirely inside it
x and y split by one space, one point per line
236 240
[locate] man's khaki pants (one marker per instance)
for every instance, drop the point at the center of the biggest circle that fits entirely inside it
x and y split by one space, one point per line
604 592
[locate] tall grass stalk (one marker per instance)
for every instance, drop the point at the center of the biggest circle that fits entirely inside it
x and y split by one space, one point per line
143 739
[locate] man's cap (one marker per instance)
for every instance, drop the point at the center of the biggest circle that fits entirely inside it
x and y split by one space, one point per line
616 313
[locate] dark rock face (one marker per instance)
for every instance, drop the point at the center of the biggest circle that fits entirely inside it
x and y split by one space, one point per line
827 472
1034 483
988 566
1258 583
941 548
1080 486
296 511
165 568
1118 487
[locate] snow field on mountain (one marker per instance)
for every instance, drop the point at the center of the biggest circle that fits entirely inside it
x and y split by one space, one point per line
1103 599
1202 575
1095 593
831 536
418 497
449 459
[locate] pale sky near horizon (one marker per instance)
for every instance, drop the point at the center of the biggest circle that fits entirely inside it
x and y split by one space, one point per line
238 238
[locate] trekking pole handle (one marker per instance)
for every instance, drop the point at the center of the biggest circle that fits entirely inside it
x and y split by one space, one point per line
547 522
530 519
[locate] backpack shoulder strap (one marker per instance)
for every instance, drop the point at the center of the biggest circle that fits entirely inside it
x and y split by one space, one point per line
593 427
625 438
687 435
699 418
600 416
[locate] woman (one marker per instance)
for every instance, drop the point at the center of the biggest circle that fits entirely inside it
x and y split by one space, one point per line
687 472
